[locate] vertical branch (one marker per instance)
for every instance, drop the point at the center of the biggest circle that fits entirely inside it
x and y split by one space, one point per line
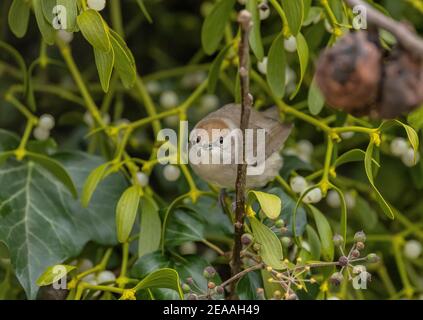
244 20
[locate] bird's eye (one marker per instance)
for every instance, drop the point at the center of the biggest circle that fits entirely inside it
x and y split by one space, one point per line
221 140
198 139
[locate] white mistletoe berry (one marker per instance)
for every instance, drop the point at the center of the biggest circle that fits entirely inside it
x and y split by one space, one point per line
171 172
188 248
350 200
65 36
399 146
412 249
262 66
88 119
84 265
91 279
313 196
305 147
290 76
333 200
347 135
168 99
105 276
264 10
410 158
46 121
96 5
290 44
41 133
142 179
298 184
209 102
153 87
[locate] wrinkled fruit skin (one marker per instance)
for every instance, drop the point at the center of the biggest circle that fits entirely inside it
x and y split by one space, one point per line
402 89
359 77
349 73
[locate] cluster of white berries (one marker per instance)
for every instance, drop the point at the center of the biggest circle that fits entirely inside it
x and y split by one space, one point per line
334 201
96 5
299 185
169 99
412 249
303 150
402 149
171 173
94 279
45 125
153 87
192 80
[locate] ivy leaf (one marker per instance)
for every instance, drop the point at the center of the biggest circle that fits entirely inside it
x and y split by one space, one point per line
42 224
56 169
303 55
269 203
214 25
247 286
53 274
124 60
162 278
270 246
184 225
126 212
104 62
255 34
47 31
276 66
94 29
151 227
294 11
19 17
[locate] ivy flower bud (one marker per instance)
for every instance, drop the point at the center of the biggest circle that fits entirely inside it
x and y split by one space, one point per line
360 236
186 288
246 239
343 261
279 223
338 240
211 285
355 254
360 245
336 278
192 296
220 290
372 258
209 272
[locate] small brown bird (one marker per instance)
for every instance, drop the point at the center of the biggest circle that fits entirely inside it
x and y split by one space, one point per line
218 137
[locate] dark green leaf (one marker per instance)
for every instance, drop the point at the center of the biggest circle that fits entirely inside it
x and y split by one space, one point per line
315 99
162 278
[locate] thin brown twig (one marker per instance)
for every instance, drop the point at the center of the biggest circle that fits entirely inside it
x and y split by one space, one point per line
407 38
244 20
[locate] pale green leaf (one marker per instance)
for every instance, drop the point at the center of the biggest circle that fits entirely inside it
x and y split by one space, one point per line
162 278
303 55
94 29
104 62
151 227
269 203
54 274
19 17
126 212
276 66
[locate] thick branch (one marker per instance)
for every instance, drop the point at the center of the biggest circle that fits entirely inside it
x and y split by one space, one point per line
408 39
244 19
